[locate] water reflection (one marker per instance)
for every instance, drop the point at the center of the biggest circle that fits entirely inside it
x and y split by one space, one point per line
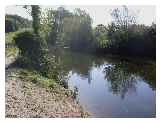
120 81
118 72
103 82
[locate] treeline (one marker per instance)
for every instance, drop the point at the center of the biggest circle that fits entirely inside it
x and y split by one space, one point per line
70 29
63 28
122 36
15 22
136 40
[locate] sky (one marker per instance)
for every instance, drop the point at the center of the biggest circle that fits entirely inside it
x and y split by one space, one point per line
99 14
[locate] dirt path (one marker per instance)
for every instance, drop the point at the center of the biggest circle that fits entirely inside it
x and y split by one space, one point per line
26 99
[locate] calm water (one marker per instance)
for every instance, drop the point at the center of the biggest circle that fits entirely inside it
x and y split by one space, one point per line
112 86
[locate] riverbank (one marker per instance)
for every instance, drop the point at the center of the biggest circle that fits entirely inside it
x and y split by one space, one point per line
28 94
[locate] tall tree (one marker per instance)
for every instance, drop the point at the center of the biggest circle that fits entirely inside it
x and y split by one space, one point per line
36 18
35 13
123 17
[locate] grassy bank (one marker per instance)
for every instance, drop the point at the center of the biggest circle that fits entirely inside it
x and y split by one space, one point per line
29 95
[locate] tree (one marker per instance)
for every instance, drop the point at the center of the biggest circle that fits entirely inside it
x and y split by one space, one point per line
100 35
35 12
77 37
46 21
118 31
36 18
57 21
15 22
123 17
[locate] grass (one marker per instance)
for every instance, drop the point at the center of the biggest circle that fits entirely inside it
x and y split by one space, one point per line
9 38
11 52
38 79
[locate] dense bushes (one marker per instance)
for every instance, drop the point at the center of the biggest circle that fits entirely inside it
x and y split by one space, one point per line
31 46
125 37
34 55
32 49
9 25
137 40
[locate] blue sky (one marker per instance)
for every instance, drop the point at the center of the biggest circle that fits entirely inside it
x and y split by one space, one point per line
99 14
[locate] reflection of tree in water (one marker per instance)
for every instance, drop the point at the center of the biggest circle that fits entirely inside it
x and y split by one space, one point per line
123 76
77 63
120 81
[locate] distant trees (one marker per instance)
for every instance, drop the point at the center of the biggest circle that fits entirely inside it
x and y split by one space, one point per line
118 34
123 17
100 36
62 28
77 30
55 35
15 22
71 29
123 36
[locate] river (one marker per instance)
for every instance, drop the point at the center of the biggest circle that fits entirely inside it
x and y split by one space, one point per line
111 86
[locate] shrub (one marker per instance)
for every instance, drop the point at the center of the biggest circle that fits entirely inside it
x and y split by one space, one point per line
34 54
31 46
9 25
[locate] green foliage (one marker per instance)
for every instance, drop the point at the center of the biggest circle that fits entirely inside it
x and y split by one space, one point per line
137 40
35 13
31 46
56 34
124 37
9 25
34 55
100 36
46 19
77 37
36 78
9 37
11 52
15 22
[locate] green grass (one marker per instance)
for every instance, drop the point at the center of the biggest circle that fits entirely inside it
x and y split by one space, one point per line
9 37
36 78
11 52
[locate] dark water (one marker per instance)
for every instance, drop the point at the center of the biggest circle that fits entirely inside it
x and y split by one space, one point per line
112 86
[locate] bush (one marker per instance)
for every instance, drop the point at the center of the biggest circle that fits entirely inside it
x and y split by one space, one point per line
34 54
9 26
31 46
